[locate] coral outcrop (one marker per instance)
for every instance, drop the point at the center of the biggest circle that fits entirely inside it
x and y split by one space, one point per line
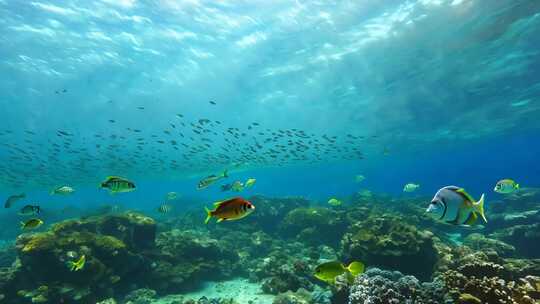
314 226
389 242
110 245
186 258
380 287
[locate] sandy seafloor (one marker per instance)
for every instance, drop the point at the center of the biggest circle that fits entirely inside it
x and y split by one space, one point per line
240 289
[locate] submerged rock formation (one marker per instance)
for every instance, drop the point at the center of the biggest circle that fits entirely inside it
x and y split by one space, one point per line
389 242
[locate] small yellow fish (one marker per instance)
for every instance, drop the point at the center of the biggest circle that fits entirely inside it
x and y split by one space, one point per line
31 224
237 186
334 202
250 182
328 271
79 264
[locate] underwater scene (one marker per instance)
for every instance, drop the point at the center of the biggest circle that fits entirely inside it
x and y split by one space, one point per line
270 151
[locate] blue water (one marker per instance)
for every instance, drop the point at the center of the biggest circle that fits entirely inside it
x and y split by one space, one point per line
303 96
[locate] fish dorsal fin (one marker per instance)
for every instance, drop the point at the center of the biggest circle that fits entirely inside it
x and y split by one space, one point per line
216 204
465 194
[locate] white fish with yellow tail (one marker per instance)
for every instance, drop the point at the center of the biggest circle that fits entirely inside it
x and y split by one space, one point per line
453 205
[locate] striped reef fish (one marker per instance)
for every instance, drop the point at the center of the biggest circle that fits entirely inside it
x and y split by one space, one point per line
455 206
117 184
165 208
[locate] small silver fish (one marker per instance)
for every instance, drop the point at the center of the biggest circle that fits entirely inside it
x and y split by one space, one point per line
63 190
209 180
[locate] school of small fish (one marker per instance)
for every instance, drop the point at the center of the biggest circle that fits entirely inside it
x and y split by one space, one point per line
42 158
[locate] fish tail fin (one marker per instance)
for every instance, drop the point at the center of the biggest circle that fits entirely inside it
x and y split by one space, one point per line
72 265
208 215
22 225
517 186
479 206
356 268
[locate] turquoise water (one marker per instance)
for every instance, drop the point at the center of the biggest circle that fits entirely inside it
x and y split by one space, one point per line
303 96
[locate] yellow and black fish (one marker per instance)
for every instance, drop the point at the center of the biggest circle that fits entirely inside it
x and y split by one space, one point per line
328 271
232 209
117 184
31 224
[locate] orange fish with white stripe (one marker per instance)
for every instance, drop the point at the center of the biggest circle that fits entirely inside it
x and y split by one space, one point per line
231 209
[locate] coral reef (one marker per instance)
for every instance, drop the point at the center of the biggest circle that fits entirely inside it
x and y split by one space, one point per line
110 245
479 242
380 287
389 242
525 238
314 226
271 211
484 289
186 258
8 254
275 251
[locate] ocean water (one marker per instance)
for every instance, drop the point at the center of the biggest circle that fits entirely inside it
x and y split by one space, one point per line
303 96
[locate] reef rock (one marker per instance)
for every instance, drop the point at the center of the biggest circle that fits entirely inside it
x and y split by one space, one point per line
389 242
377 286
185 258
314 226
489 289
111 245
479 242
271 211
525 238
133 229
